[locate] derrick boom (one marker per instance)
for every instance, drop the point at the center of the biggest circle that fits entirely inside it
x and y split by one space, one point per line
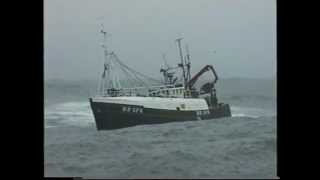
194 79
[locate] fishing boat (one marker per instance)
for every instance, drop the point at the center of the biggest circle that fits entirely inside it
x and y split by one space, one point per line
137 99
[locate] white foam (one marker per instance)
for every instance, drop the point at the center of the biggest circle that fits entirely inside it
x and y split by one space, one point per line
244 115
49 126
70 113
250 112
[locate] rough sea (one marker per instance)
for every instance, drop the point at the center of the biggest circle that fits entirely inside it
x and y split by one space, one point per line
242 146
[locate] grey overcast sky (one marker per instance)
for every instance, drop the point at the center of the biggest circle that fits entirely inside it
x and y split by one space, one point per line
238 37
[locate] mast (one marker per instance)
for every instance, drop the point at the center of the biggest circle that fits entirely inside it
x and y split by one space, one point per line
106 65
188 62
182 63
165 69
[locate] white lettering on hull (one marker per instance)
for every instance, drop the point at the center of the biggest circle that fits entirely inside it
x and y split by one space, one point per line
203 112
132 109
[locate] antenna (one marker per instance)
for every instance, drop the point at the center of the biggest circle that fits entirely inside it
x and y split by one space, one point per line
104 35
188 55
165 60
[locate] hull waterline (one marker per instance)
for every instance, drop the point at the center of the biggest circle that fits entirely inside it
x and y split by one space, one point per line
116 115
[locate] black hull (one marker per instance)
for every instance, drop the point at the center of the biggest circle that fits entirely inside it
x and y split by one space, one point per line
113 116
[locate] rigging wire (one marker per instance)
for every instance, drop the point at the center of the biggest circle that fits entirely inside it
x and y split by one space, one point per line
122 66
135 72
129 76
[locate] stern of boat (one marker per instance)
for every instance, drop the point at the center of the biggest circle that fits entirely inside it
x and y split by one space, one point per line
220 110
